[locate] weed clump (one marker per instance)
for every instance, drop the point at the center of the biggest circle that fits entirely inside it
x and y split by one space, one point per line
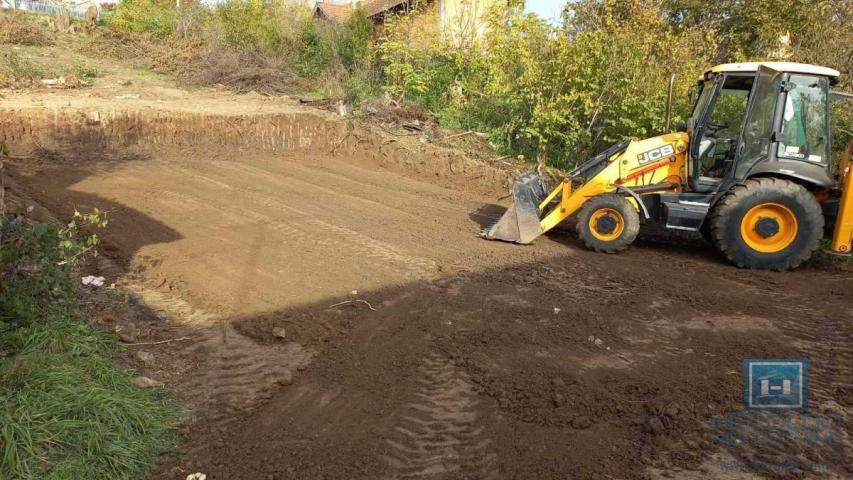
66 410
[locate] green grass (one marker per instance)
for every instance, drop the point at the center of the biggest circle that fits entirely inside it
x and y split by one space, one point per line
20 65
67 411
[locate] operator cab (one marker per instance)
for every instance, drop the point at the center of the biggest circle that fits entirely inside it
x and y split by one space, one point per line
753 118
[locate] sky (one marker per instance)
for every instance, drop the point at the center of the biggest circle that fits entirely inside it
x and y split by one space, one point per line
547 9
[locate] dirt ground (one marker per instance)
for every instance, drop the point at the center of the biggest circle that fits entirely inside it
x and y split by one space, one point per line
316 294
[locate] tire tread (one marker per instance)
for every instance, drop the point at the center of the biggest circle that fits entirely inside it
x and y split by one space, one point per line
724 240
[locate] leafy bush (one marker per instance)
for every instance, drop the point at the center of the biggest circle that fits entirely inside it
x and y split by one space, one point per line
354 40
66 410
250 25
316 50
21 67
154 17
85 71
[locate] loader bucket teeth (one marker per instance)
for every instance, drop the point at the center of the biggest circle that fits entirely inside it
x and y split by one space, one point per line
520 223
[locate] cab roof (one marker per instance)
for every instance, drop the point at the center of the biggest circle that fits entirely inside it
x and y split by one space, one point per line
779 67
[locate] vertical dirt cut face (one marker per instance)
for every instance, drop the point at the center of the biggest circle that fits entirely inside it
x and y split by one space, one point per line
455 357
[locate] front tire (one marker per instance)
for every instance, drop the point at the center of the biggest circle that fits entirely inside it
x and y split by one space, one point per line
768 224
608 223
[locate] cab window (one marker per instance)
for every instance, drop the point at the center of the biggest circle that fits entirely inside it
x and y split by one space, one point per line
723 126
805 122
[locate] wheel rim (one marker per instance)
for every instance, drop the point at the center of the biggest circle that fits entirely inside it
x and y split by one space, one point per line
769 227
606 224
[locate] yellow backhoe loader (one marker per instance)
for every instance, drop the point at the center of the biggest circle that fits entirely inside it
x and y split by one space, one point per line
751 171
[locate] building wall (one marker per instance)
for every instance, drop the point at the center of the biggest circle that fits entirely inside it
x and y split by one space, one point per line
463 21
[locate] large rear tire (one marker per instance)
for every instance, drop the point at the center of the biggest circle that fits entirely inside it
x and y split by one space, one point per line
767 223
608 223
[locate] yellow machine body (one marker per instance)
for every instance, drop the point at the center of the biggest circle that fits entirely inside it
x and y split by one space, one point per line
632 168
842 238
654 165
764 215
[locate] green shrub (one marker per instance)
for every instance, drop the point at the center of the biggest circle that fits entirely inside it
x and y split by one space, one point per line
359 89
250 25
85 71
316 51
563 92
354 40
19 66
154 17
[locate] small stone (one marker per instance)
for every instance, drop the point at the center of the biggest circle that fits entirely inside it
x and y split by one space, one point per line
145 357
126 334
581 423
671 411
285 378
556 310
598 342
354 292
655 425
558 382
559 399
279 332
145 382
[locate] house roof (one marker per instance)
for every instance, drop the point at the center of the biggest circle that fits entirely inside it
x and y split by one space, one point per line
341 12
334 11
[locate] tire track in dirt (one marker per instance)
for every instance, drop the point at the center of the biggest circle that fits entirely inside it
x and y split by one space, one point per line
231 374
238 374
826 336
441 435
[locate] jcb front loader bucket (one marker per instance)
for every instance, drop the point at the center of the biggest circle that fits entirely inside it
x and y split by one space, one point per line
520 223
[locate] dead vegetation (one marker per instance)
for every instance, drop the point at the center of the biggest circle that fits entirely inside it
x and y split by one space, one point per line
192 60
17 29
238 72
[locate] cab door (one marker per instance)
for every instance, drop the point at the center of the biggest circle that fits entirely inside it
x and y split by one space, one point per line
718 131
